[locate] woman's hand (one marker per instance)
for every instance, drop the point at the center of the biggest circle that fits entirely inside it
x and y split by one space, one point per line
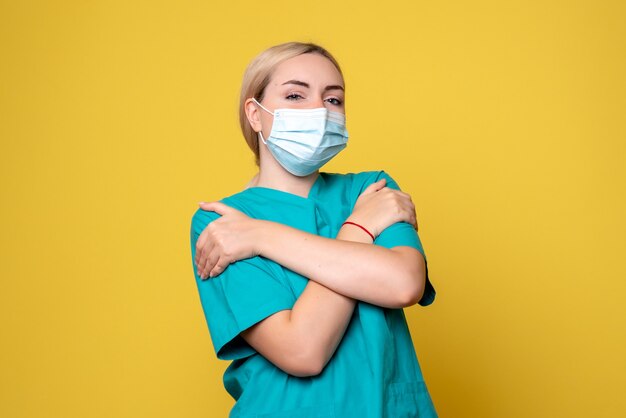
379 207
230 238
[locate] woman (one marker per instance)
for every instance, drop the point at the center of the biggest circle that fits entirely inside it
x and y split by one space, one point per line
307 308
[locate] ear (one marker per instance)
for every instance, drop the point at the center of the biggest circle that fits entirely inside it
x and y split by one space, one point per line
253 114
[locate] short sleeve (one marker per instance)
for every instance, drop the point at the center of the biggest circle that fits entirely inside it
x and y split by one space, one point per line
247 292
403 234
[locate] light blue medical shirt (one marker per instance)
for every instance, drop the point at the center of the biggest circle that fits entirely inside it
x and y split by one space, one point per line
374 372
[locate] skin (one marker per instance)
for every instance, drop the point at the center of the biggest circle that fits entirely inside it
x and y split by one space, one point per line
301 341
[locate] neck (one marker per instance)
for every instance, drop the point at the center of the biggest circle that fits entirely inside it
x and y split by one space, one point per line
272 175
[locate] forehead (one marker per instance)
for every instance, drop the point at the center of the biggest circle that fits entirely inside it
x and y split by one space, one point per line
311 68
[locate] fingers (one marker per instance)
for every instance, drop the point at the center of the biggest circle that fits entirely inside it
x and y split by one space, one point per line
219 267
413 220
412 217
205 261
406 208
374 187
405 195
408 215
217 207
211 259
200 243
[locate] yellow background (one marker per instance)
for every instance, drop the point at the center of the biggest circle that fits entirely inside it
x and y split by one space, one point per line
504 119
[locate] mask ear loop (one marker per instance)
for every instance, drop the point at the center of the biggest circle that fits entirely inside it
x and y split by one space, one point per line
264 108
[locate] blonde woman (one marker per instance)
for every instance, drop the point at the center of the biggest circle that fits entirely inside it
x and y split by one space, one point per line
303 275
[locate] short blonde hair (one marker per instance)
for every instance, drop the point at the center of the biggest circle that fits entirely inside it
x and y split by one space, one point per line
258 75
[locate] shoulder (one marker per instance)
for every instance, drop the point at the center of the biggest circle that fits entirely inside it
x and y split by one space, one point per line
357 182
201 218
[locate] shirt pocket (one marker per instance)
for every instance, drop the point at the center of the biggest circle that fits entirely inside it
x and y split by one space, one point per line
408 400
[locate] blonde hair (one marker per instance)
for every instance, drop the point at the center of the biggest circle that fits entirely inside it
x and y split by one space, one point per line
258 74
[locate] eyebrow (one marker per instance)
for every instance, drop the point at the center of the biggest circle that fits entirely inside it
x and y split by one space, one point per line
303 84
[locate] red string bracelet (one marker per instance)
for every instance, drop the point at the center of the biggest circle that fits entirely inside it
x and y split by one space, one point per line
363 228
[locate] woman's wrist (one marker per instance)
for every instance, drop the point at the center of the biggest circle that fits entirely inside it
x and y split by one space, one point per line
352 233
359 227
269 236
261 231
363 224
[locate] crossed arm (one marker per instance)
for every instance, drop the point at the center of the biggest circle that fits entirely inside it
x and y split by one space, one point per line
391 278
302 340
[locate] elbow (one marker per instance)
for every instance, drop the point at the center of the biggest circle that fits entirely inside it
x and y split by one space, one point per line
306 366
315 365
308 369
412 294
311 365
307 363
414 279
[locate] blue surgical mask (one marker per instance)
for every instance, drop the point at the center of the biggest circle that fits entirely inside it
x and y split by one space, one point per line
303 140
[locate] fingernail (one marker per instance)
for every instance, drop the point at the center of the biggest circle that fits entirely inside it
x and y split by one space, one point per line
201 203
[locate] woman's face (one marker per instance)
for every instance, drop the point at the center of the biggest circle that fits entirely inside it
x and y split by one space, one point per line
307 81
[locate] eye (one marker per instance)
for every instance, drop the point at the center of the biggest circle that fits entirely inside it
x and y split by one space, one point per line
294 96
334 101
